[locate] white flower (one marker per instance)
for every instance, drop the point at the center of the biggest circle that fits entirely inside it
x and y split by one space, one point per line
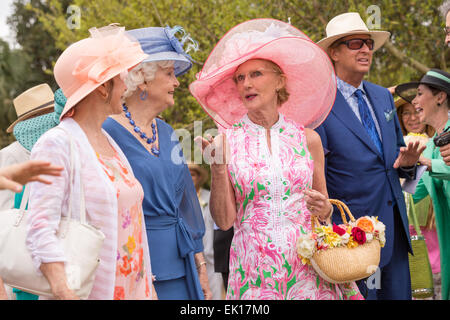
369 236
345 238
379 227
306 246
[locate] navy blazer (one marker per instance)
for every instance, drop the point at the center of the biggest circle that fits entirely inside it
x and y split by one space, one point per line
355 171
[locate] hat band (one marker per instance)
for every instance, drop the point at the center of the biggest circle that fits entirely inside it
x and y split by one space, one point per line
438 75
39 107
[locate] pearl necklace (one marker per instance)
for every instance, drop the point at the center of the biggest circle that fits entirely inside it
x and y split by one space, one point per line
142 134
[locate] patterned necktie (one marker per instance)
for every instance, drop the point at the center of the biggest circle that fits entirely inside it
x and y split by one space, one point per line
367 121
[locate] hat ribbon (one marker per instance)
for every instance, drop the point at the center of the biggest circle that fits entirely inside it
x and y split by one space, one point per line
96 68
438 75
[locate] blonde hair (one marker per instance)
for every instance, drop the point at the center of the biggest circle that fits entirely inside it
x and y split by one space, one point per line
143 72
282 94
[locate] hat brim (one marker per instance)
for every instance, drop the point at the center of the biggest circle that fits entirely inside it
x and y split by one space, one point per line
89 86
408 91
305 65
400 102
181 63
32 114
201 171
380 37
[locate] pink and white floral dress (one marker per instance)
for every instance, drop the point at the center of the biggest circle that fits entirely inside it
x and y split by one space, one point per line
131 281
271 211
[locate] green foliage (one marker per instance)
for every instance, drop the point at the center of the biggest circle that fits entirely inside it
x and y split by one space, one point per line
415 26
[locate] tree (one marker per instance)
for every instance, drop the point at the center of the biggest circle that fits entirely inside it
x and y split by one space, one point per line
14 79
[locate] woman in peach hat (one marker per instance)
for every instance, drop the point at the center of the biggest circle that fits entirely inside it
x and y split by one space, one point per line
89 73
267 85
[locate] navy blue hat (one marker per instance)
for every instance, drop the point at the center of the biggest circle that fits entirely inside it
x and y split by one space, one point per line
161 45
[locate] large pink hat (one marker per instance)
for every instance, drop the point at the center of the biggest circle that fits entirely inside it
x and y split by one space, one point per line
90 62
311 81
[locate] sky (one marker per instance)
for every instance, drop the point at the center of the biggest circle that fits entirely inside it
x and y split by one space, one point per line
5 11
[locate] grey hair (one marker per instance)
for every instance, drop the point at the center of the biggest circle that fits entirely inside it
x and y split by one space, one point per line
444 8
143 72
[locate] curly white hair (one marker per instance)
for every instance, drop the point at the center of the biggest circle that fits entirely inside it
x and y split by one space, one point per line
144 72
444 8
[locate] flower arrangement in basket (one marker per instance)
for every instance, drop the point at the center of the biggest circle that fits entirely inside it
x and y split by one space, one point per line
346 252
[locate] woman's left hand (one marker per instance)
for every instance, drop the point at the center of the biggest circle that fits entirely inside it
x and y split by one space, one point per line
203 277
318 204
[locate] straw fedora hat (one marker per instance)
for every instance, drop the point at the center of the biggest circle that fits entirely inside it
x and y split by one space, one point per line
35 101
347 24
202 172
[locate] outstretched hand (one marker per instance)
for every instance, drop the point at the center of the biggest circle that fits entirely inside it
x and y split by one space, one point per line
13 177
409 155
214 151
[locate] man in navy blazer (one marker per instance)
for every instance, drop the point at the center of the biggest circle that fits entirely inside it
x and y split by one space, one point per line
367 154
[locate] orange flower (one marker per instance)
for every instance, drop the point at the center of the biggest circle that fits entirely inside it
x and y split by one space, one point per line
119 293
365 224
125 269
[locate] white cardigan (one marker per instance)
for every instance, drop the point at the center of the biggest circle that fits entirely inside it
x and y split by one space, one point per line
48 202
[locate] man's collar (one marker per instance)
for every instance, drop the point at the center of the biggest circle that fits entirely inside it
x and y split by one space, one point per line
347 89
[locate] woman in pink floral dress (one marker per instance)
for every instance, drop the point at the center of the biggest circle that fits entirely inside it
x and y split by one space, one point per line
271 178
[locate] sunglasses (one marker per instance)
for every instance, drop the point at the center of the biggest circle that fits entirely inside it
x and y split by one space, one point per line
356 44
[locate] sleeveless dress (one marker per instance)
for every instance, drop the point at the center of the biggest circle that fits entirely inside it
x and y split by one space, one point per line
131 281
271 211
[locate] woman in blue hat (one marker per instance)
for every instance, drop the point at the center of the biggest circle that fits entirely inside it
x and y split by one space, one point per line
173 216
432 96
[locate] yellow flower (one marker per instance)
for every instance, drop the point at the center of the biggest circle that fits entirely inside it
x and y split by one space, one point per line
131 245
332 239
352 243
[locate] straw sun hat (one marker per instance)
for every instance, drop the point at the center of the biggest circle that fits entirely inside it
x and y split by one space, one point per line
310 77
35 101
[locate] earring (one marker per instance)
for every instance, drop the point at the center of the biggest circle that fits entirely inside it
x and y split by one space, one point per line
439 104
143 95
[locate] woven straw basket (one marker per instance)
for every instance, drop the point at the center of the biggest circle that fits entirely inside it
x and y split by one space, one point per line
342 264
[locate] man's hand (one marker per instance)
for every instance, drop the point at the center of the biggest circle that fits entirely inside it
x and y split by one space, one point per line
409 155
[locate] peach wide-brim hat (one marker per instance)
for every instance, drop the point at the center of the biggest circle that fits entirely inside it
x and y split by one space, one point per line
310 77
90 62
33 102
347 24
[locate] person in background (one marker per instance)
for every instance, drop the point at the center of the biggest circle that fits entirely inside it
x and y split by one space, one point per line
34 102
431 101
32 108
414 130
199 176
445 12
173 216
367 152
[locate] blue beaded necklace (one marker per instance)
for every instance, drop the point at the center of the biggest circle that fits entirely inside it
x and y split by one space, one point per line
142 134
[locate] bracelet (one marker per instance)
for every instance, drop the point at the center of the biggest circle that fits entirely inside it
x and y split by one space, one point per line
200 264
329 214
